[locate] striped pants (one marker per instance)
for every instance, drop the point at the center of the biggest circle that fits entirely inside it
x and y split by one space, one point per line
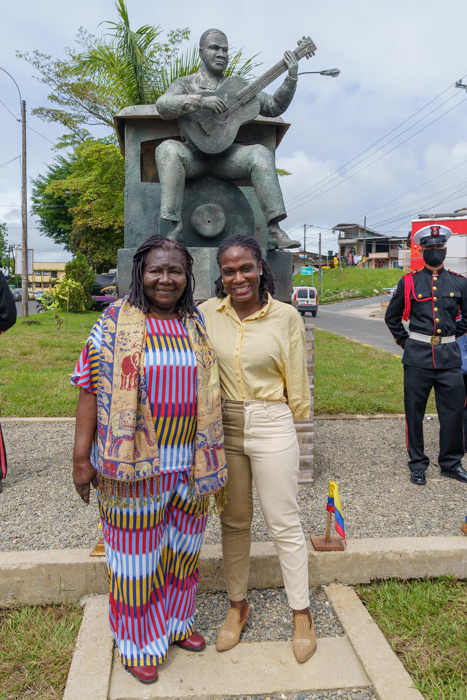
152 554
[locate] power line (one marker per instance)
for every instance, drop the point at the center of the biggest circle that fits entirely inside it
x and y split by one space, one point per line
427 198
454 196
44 137
379 140
27 126
377 159
298 197
3 165
410 191
9 110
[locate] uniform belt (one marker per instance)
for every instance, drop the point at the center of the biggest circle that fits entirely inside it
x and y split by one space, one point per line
432 339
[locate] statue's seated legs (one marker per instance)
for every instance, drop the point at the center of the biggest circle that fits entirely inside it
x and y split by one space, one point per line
178 161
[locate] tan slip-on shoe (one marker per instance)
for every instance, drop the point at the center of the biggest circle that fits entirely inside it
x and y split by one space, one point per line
304 639
229 634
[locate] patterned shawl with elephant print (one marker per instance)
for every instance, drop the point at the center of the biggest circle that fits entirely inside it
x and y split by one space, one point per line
127 452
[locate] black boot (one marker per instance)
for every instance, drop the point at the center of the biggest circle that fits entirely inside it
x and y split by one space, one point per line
418 477
457 473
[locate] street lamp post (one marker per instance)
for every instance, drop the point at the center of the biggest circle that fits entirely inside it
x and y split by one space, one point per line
24 207
331 72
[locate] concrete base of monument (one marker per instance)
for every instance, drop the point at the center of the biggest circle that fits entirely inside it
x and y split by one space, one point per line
53 576
206 271
362 659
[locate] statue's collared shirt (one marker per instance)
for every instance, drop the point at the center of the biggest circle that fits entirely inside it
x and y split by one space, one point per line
184 95
261 355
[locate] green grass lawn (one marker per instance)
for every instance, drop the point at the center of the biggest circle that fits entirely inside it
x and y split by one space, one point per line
424 622
36 648
355 282
354 378
36 363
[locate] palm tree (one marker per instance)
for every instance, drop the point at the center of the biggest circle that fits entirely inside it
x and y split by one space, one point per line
138 67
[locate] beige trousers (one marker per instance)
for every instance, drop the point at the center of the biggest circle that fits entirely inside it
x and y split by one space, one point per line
261 444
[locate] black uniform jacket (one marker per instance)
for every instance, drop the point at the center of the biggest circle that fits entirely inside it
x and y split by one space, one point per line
7 306
439 298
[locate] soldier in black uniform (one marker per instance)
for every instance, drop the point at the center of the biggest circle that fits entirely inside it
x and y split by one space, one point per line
430 299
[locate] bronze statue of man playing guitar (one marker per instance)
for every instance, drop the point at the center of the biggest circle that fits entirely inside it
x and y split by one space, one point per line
210 108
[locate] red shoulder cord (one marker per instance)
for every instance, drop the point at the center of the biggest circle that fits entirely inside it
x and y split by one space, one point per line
409 290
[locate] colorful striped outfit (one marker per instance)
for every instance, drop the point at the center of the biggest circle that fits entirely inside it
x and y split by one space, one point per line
152 549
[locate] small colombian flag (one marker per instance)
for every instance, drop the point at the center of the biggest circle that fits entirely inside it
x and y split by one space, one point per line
334 506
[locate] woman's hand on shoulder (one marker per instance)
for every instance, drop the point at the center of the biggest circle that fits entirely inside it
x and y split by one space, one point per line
84 475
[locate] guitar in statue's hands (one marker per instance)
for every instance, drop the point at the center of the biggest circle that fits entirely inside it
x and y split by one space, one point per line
214 132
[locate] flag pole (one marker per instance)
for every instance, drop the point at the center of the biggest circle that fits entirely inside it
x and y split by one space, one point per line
327 537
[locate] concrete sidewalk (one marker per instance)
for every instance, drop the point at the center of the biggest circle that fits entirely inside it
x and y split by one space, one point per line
361 659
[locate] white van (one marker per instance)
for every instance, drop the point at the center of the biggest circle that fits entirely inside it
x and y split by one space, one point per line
305 299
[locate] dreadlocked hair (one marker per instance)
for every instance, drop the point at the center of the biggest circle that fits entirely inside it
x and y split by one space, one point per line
137 297
266 281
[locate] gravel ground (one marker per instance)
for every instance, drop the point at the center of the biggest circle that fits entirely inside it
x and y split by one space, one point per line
39 508
270 618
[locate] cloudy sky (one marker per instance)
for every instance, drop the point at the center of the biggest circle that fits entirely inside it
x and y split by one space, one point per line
352 148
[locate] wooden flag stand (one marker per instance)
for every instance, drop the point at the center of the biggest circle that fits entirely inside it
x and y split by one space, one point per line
327 543
99 549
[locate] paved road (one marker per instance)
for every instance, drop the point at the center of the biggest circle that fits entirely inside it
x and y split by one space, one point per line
32 305
371 331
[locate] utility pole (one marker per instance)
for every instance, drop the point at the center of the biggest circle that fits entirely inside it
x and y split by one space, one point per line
364 242
320 285
304 239
24 212
24 207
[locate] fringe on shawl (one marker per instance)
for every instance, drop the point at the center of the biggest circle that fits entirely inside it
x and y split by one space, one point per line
125 494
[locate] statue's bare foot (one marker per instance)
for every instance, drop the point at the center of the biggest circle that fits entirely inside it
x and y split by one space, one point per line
172 230
279 239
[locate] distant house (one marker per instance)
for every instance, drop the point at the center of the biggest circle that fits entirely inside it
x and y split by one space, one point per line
307 259
46 274
379 250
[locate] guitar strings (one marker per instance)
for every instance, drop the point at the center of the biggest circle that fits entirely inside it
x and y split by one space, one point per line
252 90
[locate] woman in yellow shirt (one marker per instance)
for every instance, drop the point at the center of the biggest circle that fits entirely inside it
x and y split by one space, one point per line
261 351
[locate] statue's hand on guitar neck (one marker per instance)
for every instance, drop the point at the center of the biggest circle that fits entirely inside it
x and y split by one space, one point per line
214 103
291 63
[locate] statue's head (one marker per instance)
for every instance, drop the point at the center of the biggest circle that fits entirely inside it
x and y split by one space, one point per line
214 50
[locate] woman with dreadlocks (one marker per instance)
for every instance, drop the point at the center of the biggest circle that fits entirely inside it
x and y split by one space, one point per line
149 438
261 350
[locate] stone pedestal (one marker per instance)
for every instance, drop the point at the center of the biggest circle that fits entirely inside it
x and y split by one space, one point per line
212 208
305 428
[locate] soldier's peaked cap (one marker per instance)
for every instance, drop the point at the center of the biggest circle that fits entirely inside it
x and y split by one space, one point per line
432 235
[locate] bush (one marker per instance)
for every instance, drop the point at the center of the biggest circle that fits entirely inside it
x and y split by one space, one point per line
79 271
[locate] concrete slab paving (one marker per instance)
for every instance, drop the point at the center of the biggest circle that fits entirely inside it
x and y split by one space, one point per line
387 674
89 675
261 668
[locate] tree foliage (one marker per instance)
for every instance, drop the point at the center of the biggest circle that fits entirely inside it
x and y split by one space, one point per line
3 246
55 218
79 271
94 183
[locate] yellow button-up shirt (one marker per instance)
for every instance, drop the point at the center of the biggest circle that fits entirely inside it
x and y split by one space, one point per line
262 355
